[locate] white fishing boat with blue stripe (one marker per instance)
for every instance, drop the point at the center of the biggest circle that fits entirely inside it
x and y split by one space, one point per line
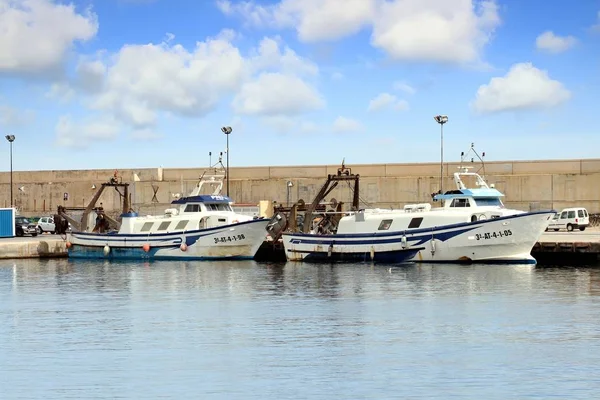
473 225
196 227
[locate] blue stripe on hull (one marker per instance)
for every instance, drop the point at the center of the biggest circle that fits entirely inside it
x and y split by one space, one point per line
395 256
130 253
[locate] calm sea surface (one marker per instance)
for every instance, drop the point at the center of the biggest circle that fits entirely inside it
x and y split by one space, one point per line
245 330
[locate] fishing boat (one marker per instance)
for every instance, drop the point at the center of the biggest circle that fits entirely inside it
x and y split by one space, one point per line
311 233
196 227
471 225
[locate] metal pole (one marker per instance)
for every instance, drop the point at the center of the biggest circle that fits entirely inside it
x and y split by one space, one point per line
288 195
11 177
227 164
442 159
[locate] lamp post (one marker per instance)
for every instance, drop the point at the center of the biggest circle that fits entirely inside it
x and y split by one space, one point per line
441 119
289 187
11 139
227 131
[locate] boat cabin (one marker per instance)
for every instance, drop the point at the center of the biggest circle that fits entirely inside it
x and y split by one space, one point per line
189 213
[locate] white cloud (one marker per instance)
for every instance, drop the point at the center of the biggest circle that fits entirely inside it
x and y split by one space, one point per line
314 20
453 31
62 91
552 43
11 117
523 87
386 100
90 75
141 80
404 87
343 124
271 57
37 34
74 134
277 94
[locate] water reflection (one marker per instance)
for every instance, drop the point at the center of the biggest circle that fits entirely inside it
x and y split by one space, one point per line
270 331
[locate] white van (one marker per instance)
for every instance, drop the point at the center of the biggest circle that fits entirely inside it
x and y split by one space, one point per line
569 219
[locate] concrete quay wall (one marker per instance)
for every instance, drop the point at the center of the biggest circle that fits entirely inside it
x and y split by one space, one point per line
527 184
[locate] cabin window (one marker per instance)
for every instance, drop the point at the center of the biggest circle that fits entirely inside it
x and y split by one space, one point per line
147 226
488 201
415 223
192 208
181 225
202 223
164 225
385 224
222 220
218 207
460 203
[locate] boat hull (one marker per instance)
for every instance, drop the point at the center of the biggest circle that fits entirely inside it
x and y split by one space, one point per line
327 248
507 239
229 242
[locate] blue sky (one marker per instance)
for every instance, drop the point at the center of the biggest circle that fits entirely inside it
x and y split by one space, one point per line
147 83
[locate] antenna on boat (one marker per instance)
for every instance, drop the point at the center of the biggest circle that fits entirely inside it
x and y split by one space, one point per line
464 156
209 159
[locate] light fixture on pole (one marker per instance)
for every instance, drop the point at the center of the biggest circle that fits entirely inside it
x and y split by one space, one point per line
227 131
11 139
289 187
441 119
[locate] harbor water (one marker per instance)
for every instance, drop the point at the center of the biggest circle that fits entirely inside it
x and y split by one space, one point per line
247 330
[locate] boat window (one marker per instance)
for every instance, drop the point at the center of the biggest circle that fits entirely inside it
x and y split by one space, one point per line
202 223
164 225
385 224
415 223
222 220
488 201
218 207
192 208
146 227
181 225
460 203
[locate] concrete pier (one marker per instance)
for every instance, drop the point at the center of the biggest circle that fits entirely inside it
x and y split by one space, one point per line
41 246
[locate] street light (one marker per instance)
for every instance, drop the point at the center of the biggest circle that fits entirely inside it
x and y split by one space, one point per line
441 119
11 139
227 131
289 187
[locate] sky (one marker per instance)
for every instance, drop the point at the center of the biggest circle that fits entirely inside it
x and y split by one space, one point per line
95 84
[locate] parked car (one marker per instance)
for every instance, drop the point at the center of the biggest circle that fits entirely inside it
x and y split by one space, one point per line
569 219
46 224
24 227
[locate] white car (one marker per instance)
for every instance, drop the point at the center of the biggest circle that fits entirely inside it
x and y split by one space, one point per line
46 224
569 219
